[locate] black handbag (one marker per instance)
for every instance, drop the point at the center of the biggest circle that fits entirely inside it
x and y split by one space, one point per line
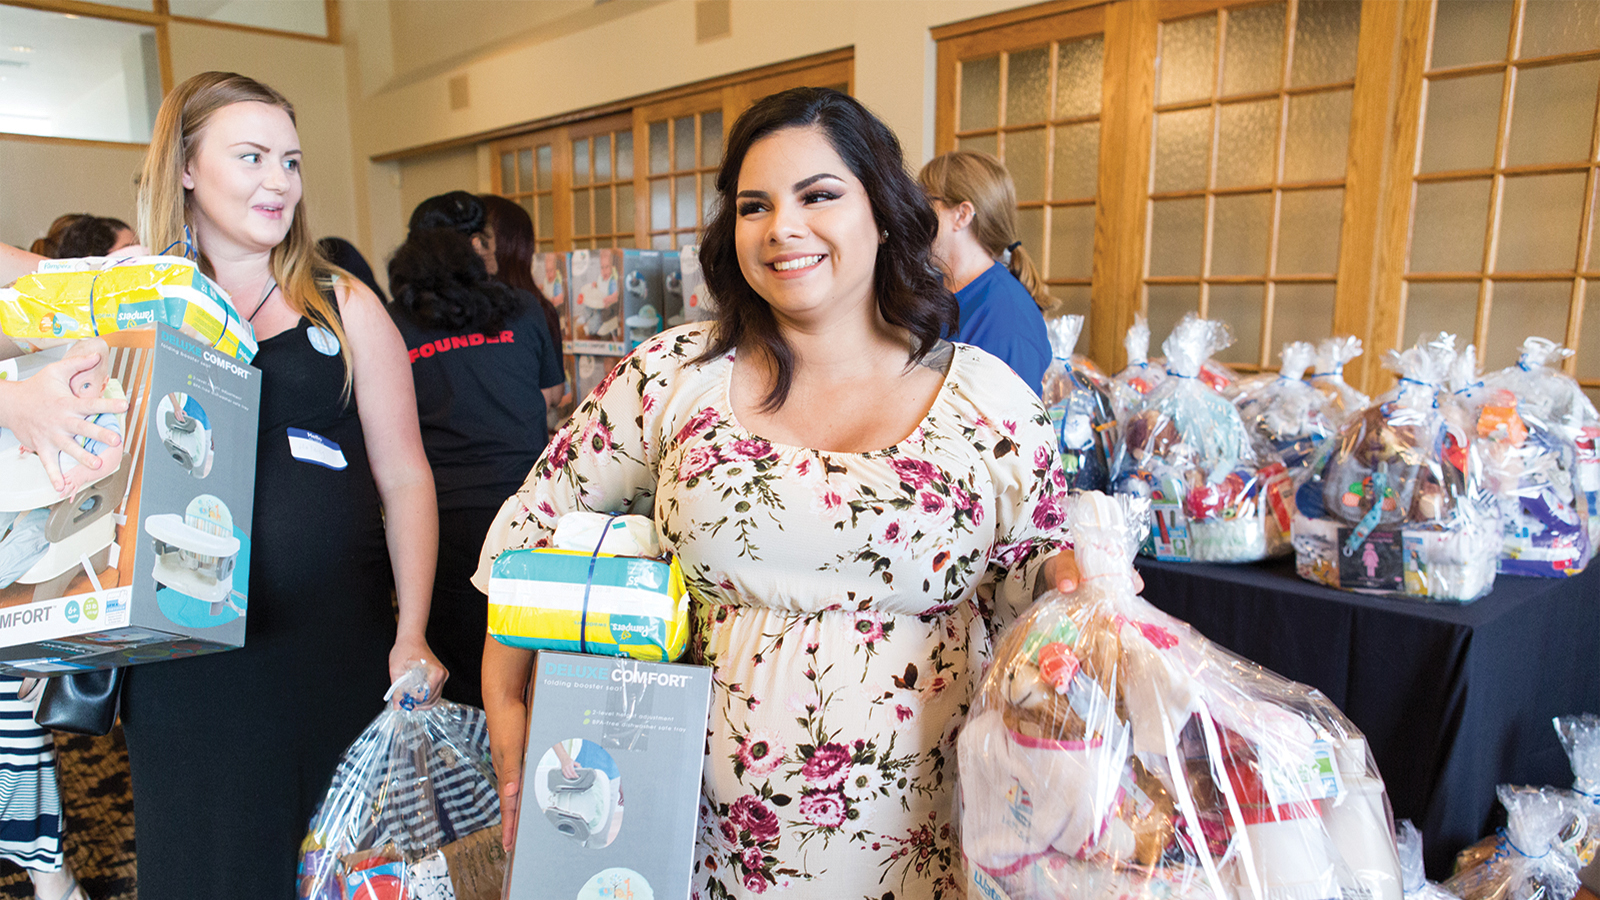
81 703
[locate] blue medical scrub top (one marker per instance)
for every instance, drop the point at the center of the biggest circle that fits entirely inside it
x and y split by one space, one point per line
999 315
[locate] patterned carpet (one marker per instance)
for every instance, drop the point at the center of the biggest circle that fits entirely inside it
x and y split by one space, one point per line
98 801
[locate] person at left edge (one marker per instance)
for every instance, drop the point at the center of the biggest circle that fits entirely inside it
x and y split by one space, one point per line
231 752
485 371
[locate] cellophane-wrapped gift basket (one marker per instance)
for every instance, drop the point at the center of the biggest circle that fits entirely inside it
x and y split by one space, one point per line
1285 412
1214 496
1080 409
1140 376
1393 506
1328 376
1113 752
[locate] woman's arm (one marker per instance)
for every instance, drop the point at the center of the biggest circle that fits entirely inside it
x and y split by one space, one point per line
506 673
46 418
16 263
387 401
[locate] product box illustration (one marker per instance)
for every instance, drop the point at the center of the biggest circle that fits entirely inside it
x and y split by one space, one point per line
617 301
550 277
672 290
697 306
147 557
601 729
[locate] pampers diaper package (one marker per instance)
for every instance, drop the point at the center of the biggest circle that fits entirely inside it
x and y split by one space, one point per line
602 589
148 556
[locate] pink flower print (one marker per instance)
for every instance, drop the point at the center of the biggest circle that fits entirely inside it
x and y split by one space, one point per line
1058 477
546 510
931 503
894 534
803 467
869 627
748 813
824 808
698 423
648 402
1158 636
699 460
750 448
829 504
1041 457
729 833
761 752
827 768
752 859
560 446
605 383
902 712
755 883
1010 427
597 437
1050 513
915 472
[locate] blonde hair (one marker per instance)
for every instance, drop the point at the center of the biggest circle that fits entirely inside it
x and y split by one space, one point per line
303 274
965 176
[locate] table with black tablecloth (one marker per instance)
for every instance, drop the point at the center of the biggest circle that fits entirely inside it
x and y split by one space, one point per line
1453 698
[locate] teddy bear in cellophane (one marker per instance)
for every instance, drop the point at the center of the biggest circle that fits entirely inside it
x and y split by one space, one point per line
1215 496
1112 752
1391 508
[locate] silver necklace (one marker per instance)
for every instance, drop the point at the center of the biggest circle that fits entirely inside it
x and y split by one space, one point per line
272 285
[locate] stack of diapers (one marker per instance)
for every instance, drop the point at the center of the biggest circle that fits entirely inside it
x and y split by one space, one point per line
603 588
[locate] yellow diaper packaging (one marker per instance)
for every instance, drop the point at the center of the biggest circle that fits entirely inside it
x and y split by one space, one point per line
549 599
78 298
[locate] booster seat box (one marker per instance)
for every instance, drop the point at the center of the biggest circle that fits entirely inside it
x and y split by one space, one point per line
603 730
147 557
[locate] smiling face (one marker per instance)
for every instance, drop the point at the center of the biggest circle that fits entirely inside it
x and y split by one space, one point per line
806 237
243 179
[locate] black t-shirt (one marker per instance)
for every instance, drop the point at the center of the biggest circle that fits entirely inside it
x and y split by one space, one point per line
478 400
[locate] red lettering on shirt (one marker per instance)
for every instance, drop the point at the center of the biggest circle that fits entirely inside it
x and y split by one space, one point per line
474 339
445 345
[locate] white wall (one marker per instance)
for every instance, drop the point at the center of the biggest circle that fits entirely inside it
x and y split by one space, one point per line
40 180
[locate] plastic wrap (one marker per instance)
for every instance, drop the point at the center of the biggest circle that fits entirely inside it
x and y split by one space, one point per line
1580 737
1534 858
1135 382
1328 376
1080 410
1393 506
1285 412
1412 877
1213 496
77 298
412 810
1113 752
1539 434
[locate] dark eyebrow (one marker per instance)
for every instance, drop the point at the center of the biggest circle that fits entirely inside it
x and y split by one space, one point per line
799 186
265 149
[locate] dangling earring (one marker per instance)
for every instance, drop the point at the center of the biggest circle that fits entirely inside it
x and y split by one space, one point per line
883 235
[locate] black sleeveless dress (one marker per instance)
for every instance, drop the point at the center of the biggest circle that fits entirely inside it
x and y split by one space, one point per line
231 752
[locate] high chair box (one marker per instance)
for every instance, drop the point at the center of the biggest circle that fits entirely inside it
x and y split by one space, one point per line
611 777
147 559
550 277
618 299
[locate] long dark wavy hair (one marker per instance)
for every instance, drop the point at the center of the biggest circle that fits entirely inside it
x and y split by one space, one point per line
513 255
437 277
909 290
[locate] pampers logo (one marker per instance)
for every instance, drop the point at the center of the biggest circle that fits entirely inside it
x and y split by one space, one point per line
227 364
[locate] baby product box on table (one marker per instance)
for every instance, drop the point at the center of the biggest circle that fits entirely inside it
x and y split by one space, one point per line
147 557
550 277
618 298
603 730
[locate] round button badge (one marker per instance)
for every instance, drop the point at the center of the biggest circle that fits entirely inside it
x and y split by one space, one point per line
322 340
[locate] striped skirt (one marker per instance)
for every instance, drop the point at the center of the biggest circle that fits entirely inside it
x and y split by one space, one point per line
30 804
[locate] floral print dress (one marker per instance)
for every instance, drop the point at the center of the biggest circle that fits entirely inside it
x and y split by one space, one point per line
845 601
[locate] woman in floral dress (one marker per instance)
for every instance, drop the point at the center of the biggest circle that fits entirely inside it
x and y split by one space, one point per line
858 506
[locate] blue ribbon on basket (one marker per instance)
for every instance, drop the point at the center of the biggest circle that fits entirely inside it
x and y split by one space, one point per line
588 582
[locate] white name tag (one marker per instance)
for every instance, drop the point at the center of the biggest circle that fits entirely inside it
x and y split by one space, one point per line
308 446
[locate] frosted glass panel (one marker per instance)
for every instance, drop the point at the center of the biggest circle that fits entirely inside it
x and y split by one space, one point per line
546 218
1318 138
582 222
1246 143
625 209
1553 115
1252 60
1588 356
1459 127
660 156
1447 227
543 155
1077 161
1470 31
1560 26
1325 42
302 16
1308 232
1166 305
1520 309
1030 230
708 197
1079 77
580 161
1183 149
711 138
660 205
1071 242
525 168
624 155
687 199
602 210
1239 234
508 173
1027 86
1300 312
1240 306
1025 157
602 157
1446 306
683 143
1539 219
1177 228
1073 299
983 143
1188 59
980 93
